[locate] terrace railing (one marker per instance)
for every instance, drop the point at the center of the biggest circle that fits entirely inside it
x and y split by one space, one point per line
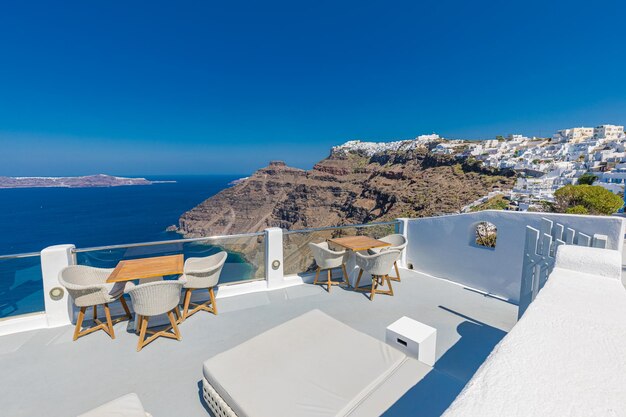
442 247
21 285
297 256
256 262
245 261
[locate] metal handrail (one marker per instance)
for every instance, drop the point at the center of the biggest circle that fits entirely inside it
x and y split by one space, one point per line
201 239
345 226
166 242
20 255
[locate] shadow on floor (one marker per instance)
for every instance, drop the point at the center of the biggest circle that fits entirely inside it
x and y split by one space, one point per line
433 395
201 396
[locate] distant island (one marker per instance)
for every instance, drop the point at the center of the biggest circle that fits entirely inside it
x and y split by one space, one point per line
100 180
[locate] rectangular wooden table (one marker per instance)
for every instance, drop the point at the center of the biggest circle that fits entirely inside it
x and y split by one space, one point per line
358 243
147 268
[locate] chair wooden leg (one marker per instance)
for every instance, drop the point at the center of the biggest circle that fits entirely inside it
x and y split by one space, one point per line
397 277
374 285
317 274
126 309
95 313
389 284
177 313
109 325
213 305
142 333
328 281
192 308
345 275
174 325
79 322
358 280
186 304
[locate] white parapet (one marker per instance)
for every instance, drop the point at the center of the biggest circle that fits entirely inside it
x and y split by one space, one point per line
274 273
57 302
565 356
600 262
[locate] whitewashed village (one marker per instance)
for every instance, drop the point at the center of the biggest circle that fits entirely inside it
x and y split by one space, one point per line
542 165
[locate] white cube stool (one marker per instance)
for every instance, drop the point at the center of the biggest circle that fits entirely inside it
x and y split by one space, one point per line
413 338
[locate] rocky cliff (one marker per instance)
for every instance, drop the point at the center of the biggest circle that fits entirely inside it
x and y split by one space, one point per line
347 187
351 186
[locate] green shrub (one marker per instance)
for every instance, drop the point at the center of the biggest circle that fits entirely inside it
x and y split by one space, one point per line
587 179
577 210
595 199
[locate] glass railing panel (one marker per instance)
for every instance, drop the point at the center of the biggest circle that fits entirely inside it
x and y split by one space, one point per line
245 259
21 286
298 257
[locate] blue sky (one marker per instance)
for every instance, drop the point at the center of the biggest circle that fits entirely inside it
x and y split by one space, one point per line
165 87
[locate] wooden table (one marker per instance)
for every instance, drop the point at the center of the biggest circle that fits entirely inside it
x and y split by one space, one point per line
358 243
147 268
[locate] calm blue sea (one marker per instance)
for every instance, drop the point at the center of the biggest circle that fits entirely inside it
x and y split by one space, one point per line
34 218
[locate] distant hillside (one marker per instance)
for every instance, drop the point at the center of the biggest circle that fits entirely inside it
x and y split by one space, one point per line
99 180
347 187
355 184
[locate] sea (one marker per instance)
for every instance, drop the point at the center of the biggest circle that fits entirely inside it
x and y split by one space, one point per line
34 218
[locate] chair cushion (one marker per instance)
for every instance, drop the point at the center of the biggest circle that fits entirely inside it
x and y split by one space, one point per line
312 365
128 405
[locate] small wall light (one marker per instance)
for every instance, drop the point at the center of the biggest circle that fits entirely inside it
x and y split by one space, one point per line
56 293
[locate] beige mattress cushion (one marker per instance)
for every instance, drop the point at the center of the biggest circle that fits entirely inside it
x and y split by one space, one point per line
128 405
312 365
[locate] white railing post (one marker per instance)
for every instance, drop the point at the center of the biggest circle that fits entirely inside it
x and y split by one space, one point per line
274 273
57 302
403 229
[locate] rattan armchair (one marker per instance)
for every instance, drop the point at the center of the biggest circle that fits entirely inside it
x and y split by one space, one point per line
87 287
202 273
153 299
378 266
398 242
328 259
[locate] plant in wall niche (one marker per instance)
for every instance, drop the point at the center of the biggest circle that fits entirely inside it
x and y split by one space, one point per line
486 234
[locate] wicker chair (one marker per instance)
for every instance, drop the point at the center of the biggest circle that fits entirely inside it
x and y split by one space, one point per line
378 266
153 299
327 259
398 242
88 288
202 273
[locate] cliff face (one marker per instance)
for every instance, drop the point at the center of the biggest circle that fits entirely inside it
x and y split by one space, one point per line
347 187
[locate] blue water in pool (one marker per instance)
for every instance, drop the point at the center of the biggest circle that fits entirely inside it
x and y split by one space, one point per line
34 218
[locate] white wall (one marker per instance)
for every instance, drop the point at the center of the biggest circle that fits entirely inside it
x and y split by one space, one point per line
565 356
444 246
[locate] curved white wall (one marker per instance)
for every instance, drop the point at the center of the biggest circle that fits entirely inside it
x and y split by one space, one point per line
443 246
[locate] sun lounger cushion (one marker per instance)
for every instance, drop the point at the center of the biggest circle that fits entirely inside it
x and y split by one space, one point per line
125 406
312 365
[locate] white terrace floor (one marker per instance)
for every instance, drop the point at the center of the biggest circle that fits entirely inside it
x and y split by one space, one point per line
45 373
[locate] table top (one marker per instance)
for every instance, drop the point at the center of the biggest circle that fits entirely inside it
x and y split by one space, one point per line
147 268
358 243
